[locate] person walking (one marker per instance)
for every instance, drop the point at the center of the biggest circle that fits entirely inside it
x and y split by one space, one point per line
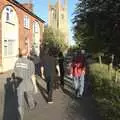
78 73
36 60
61 65
24 74
48 71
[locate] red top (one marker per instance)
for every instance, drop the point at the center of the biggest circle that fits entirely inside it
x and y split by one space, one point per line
78 66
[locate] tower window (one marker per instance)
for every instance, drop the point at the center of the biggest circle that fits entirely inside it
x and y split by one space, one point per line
52 10
62 16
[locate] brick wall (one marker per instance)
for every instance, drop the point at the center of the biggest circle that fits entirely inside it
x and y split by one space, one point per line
24 34
2 4
0 44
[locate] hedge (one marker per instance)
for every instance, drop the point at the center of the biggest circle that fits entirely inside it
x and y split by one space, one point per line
105 90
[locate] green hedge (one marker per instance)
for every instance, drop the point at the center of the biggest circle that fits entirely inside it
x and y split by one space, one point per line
106 91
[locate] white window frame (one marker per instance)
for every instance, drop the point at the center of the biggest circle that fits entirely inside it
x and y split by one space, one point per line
9 14
27 22
36 27
8 48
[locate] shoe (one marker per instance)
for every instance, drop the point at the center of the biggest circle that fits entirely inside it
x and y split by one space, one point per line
76 93
62 86
50 102
35 104
79 96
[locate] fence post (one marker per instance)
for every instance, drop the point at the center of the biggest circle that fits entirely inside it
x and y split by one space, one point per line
116 76
110 70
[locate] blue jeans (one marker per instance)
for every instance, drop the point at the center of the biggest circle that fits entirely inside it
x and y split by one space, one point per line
79 84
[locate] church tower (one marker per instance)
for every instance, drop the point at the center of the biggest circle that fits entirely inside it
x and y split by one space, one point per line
58 17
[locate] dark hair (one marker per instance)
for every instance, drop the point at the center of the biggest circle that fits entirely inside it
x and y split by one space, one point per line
50 52
60 54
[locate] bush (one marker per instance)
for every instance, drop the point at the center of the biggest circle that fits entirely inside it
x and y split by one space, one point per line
106 91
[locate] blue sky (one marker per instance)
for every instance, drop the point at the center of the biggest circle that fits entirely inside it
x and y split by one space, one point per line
41 10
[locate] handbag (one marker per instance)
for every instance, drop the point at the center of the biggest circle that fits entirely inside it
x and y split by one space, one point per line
16 80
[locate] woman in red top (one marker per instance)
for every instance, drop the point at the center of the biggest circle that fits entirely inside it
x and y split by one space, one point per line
78 72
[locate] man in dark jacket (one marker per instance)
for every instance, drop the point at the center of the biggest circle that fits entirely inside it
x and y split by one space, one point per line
48 72
61 65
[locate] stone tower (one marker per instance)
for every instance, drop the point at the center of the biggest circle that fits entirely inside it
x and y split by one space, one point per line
58 17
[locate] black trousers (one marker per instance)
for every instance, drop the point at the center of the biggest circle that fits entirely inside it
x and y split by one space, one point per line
49 80
62 77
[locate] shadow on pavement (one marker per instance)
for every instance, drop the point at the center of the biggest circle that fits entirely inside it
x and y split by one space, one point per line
69 85
67 92
10 101
43 91
84 108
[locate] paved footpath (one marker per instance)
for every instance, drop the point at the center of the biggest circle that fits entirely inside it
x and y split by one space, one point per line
65 107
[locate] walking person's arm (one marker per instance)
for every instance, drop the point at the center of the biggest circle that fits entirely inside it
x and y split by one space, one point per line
84 67
42 68
71 69
58 69
33 77
83 71
34 83
42 72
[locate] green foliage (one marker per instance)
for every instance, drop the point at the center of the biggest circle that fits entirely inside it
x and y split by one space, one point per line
54 39
97 25
106 91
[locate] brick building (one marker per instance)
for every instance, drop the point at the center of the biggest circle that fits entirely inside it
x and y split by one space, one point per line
19 27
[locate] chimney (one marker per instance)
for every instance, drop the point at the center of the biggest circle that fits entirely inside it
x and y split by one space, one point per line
28 6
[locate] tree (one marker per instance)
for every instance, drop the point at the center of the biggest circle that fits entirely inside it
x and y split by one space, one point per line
97 25
54 39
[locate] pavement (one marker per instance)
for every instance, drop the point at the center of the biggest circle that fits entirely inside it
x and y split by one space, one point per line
65 107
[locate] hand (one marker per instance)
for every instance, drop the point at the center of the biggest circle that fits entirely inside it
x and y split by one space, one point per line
13 75
43 77
35 89
71 75
58 74
83 72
